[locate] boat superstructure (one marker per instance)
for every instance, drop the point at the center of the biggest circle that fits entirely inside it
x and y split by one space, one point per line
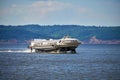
56 46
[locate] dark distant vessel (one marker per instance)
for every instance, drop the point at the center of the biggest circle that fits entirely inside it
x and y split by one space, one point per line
64 45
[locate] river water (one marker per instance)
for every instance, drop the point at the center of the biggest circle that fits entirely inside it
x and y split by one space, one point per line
92 62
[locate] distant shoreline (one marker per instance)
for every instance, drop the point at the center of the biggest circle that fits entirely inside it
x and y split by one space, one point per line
87 34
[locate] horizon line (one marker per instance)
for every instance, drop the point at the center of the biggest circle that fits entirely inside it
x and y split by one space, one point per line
59 25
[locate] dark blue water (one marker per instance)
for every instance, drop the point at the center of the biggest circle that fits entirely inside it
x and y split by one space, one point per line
92 62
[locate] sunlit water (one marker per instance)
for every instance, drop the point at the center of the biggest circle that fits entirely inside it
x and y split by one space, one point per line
92 62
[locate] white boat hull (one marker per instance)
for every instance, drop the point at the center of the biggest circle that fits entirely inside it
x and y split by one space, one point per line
61 45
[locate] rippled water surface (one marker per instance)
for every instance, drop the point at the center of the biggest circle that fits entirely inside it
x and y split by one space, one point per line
92 62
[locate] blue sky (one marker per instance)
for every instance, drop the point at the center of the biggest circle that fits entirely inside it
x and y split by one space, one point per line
50 12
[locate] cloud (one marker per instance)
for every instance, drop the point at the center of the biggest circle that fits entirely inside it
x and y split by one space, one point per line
41 8
45 7
45 12
60 12
40 11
